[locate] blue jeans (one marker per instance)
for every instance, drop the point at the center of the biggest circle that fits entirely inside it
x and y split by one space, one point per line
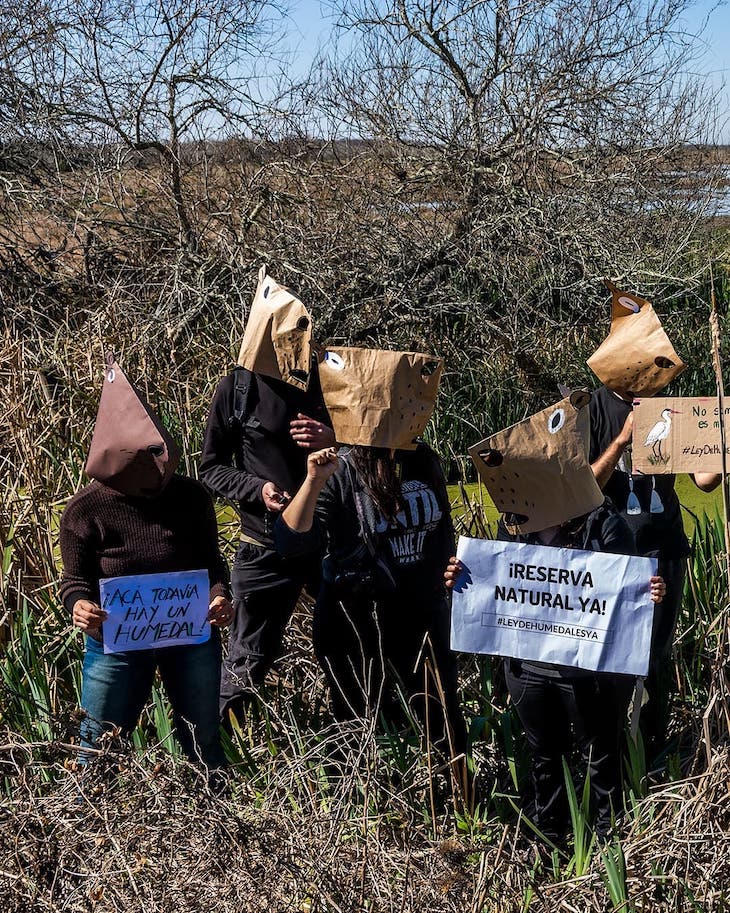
116 686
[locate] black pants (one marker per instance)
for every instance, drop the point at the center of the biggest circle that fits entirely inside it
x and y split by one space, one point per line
594 707
367 647
265 588
655 713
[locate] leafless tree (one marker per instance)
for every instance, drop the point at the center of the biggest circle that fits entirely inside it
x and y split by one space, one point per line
150 77
558 133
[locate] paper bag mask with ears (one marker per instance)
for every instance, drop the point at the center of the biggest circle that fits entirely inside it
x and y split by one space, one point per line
378 398
277 341
131 450
636 357
537 471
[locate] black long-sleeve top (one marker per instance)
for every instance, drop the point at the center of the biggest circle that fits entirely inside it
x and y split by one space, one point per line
416 545
237 460
108 534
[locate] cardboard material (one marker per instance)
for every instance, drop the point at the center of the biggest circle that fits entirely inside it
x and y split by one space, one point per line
537 471
677 434
636 357
277 341
131 450
379 398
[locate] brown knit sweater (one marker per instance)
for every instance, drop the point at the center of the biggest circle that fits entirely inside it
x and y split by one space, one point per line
107 534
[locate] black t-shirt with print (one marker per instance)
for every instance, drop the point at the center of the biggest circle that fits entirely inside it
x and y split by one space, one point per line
415 545
648 503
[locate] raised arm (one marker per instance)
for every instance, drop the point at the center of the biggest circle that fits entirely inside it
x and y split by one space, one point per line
607 462
299 513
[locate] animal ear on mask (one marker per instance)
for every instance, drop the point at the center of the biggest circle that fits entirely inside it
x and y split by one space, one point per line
579 399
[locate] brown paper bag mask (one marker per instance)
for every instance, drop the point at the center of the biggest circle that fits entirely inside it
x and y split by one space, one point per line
378 398
277 341
131 450
636 357
537 471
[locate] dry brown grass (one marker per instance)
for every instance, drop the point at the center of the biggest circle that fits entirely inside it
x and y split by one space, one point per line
136 833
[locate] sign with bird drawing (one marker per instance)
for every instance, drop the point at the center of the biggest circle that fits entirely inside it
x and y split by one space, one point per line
678 434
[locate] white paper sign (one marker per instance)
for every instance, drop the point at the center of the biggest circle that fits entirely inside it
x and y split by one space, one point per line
150 611
590 610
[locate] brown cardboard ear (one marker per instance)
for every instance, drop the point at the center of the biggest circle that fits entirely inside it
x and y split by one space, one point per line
579 398
131 450
541 476
277 341
379 398
637 357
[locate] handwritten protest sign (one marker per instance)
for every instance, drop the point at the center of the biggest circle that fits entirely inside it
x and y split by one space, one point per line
677 434
590 610
150 611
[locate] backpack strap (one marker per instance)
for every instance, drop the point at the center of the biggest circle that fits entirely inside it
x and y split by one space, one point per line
242 383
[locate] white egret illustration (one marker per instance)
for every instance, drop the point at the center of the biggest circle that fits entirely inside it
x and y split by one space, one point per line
660 432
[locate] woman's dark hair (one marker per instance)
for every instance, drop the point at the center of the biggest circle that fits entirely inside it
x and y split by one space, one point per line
376 470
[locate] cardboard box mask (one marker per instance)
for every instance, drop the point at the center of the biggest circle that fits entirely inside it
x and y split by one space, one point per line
636 357
379 398
131 450
537 472
277 341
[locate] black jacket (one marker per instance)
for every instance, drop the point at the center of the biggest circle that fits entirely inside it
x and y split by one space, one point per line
238 458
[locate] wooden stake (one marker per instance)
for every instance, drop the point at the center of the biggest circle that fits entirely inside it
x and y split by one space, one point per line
720 672
717 364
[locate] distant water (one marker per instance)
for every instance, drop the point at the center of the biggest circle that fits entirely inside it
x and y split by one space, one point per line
718 203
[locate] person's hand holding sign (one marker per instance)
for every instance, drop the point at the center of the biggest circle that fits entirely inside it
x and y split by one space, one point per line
452 572
220 612
657 588
88 616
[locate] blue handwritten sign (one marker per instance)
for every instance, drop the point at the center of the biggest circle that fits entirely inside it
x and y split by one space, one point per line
150 611
591 610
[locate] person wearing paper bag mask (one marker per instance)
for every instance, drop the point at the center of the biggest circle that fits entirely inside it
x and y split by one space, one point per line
264 419
638 360
380 511
538 475
138 517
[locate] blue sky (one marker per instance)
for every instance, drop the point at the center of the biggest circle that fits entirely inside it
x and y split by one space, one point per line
310 25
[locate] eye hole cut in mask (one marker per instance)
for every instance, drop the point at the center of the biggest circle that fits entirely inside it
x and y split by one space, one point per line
334 360
556 420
